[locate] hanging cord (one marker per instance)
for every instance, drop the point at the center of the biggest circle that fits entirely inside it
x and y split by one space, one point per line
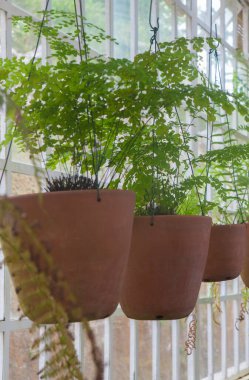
209 133
190 163
84 155
240 209
153 181
89 113
153 29
153 40
18 117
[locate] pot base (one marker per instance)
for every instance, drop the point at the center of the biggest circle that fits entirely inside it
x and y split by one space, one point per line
88 242
226 252
165 267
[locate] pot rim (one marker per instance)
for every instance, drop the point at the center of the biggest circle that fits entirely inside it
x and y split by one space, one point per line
229 226
173 216
114 192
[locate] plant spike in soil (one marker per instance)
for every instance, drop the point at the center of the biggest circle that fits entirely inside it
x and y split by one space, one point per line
69 182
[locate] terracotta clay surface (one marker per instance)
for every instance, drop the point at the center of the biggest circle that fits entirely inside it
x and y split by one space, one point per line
245 268
165 267
88 240
226 252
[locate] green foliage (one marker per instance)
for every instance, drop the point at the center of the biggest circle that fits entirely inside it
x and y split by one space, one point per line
99 115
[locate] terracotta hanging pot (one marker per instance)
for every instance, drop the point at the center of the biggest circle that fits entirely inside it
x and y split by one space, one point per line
88 241
245 267
165 266
226 252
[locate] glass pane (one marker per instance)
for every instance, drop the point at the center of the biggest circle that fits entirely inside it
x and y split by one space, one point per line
165 350
204 54
122 28
15 311
18 156
217 345
144 350
23 184
88 365
203 10
182 23
2 128
21 365
1 287
204 290
23 43
2 36
240 31
229 24
230 329
65 5
95 13
186 2
242 346
121 347
229 70
1 356
166 13
183 357
144 32
216 17
202 334
29 5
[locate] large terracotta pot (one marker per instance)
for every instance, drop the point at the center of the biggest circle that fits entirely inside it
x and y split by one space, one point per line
165 266
245 267
88 240
226 252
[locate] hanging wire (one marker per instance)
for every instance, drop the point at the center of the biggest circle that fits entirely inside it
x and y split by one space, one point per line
153 181
153 40
208 135
153 29
214 50
209 132
29 76
190 163
94 149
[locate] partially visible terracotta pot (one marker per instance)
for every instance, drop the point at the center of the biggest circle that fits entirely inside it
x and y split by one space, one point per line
165 267
226 252
89 242
245 268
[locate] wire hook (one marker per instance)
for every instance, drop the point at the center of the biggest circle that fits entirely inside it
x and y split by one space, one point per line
153 29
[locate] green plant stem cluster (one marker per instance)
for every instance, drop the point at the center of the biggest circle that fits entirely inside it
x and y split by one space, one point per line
121 123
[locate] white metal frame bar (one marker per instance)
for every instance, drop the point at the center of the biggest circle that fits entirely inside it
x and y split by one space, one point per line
7 325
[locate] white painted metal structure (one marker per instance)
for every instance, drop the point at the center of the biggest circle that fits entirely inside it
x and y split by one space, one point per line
221 352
